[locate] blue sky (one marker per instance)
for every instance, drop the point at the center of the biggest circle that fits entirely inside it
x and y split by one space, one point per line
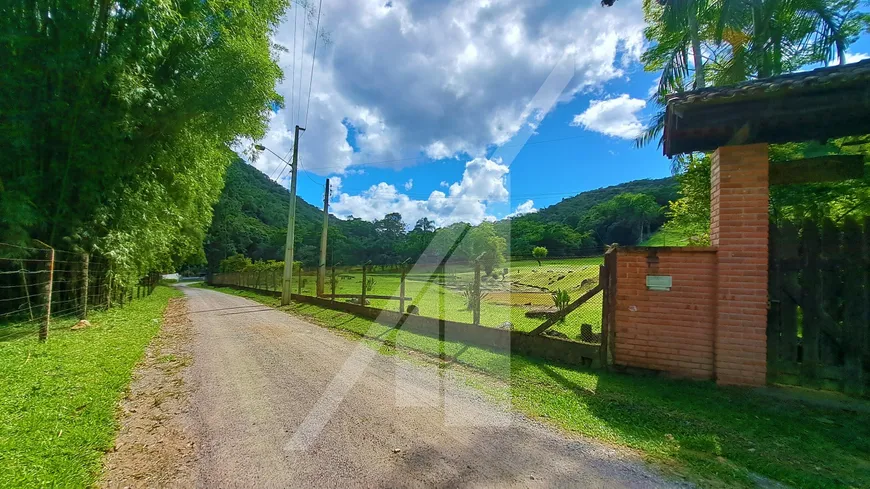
411 100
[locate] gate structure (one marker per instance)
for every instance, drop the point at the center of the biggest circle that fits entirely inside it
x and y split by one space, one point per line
818 331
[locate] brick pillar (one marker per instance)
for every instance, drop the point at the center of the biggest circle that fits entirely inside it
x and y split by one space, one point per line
739 228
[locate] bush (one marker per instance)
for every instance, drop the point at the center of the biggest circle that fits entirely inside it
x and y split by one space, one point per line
561 299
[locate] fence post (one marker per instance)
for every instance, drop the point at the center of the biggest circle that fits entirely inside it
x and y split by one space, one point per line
26 288
608 304
109 288
362 299
402 292
476 292
299 284
332 286
43 329
86 259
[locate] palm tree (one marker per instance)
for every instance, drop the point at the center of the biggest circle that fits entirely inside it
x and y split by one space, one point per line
728 41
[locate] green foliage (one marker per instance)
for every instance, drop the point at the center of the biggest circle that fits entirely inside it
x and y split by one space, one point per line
251 217
570 211
689 215
470 296
484 245
235 263
118 117
370 284
539 252
561 299
695 44
624 218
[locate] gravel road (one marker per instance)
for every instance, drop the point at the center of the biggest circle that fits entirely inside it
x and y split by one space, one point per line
258 382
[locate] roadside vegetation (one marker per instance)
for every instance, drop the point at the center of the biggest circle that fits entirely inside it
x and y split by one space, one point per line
717 437
57 411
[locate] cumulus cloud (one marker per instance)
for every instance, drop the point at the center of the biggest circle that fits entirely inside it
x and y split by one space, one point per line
855 57
389 80
483 182
616 117
527 207
409 184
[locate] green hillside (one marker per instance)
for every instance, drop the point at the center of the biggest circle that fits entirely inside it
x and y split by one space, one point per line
251 218
571 210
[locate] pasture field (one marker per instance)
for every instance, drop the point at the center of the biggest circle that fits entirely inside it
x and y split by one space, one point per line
506 297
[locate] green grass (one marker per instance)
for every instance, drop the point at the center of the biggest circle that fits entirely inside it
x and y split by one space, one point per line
667 237
504 302
717 437
57 409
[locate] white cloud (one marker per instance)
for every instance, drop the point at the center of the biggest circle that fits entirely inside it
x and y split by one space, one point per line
615 117
527 207
444 184
334 185
483 182
388 73
855 57
409 184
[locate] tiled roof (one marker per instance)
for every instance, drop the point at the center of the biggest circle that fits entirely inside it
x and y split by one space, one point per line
827 78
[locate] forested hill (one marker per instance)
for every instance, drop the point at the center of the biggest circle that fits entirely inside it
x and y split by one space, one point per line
571 210
251 219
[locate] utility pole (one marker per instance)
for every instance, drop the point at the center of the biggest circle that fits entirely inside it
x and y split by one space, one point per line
321 271
287 285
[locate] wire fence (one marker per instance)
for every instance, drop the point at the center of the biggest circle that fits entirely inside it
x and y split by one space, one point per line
522 294
39 285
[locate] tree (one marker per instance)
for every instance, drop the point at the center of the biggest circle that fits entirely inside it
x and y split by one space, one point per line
695 42
424 224
623 218
539 252
483 244
116 140
689 215
235 263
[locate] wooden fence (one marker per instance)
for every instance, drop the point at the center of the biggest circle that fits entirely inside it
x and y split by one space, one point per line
819 318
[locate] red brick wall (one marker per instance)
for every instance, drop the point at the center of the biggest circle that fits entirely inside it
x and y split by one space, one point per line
739 228
713 322
672 331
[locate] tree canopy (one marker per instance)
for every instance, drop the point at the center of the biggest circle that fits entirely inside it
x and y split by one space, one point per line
118 117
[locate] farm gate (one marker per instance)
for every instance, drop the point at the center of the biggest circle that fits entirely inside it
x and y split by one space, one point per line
818 331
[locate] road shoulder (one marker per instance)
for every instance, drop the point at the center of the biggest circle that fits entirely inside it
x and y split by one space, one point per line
155 446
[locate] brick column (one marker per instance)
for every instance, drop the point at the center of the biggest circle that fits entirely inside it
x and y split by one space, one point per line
739 229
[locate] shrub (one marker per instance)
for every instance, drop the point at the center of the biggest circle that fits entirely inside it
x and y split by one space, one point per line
561 299
539 252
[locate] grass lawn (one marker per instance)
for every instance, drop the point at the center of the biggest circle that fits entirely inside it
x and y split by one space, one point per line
527 285
667 237
717 437
57 410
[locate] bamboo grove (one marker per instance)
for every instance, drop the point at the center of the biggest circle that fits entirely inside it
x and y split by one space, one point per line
117 119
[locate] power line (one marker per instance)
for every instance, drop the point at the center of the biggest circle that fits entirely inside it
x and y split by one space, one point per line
301 68
293 71
302 167
313 59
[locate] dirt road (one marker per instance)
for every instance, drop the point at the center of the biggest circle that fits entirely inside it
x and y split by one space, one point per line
259 376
